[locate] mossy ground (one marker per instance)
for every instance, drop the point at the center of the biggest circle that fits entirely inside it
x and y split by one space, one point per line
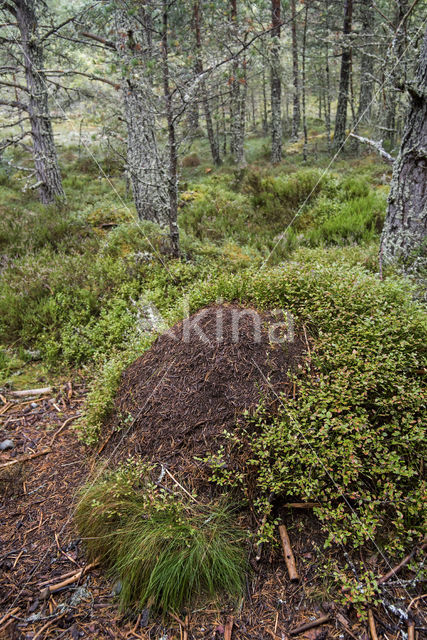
77 279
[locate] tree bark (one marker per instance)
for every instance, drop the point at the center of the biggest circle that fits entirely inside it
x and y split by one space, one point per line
144 162
238 98
46 164
276 85
341 114
394 76
366 76
296 116
403 239
173 152
213 140
304 114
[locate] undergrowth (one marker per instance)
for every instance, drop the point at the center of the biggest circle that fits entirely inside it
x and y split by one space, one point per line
167 551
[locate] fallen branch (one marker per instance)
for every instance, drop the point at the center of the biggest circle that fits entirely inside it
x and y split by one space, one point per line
31 456
301 505
345 625
288 554
62 427
48 624
31 392
401 564
411 631
45 593
228 629
377 145
8 615
310 625
372 628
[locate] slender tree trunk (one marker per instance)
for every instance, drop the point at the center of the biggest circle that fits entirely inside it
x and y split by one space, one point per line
173 152
395 77
276 85
328 86
264 105
341 115
45 157
145 163
296 116
366 80
213 140
404 237
238 98
304 115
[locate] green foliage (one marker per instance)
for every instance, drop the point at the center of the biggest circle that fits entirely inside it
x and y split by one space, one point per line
354 438
165 551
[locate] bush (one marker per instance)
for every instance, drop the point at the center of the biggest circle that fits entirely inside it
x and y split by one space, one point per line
354 438
166 553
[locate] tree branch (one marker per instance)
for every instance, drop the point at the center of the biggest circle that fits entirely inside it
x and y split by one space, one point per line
377 145
97 38
86 75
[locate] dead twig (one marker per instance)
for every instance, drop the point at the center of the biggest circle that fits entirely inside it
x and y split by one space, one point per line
301 505
310 625
228 629
62 427
372 627
401 564
45 626
31 456
8 615
45 593
411 631
30 392
288 554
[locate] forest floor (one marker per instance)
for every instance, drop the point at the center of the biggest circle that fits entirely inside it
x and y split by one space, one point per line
40 548
75 284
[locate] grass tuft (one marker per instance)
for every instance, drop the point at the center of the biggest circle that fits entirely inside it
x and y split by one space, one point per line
165 553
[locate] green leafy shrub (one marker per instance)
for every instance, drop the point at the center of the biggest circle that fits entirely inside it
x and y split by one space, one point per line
354 439
166 552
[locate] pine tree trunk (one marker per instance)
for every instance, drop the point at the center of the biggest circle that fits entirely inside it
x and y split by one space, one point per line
304 115
238 98
173 152
45 157
394 76
213 140
366 80
341 114
276 86
403 239
145 164
296 116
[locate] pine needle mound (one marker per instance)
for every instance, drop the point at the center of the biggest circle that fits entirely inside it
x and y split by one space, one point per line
166 552
175 401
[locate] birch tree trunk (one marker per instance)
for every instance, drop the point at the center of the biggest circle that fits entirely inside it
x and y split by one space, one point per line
296 116
48 174
341 114
404 237
145 164
276 85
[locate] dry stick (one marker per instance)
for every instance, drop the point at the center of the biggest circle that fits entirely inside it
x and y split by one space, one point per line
228 629
301 505
416 599
401 564
344 623
372 628
411 631
310 625
45 593
288 554
31 456
7 615
185 635
62 427
6 407
44 627
31 392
